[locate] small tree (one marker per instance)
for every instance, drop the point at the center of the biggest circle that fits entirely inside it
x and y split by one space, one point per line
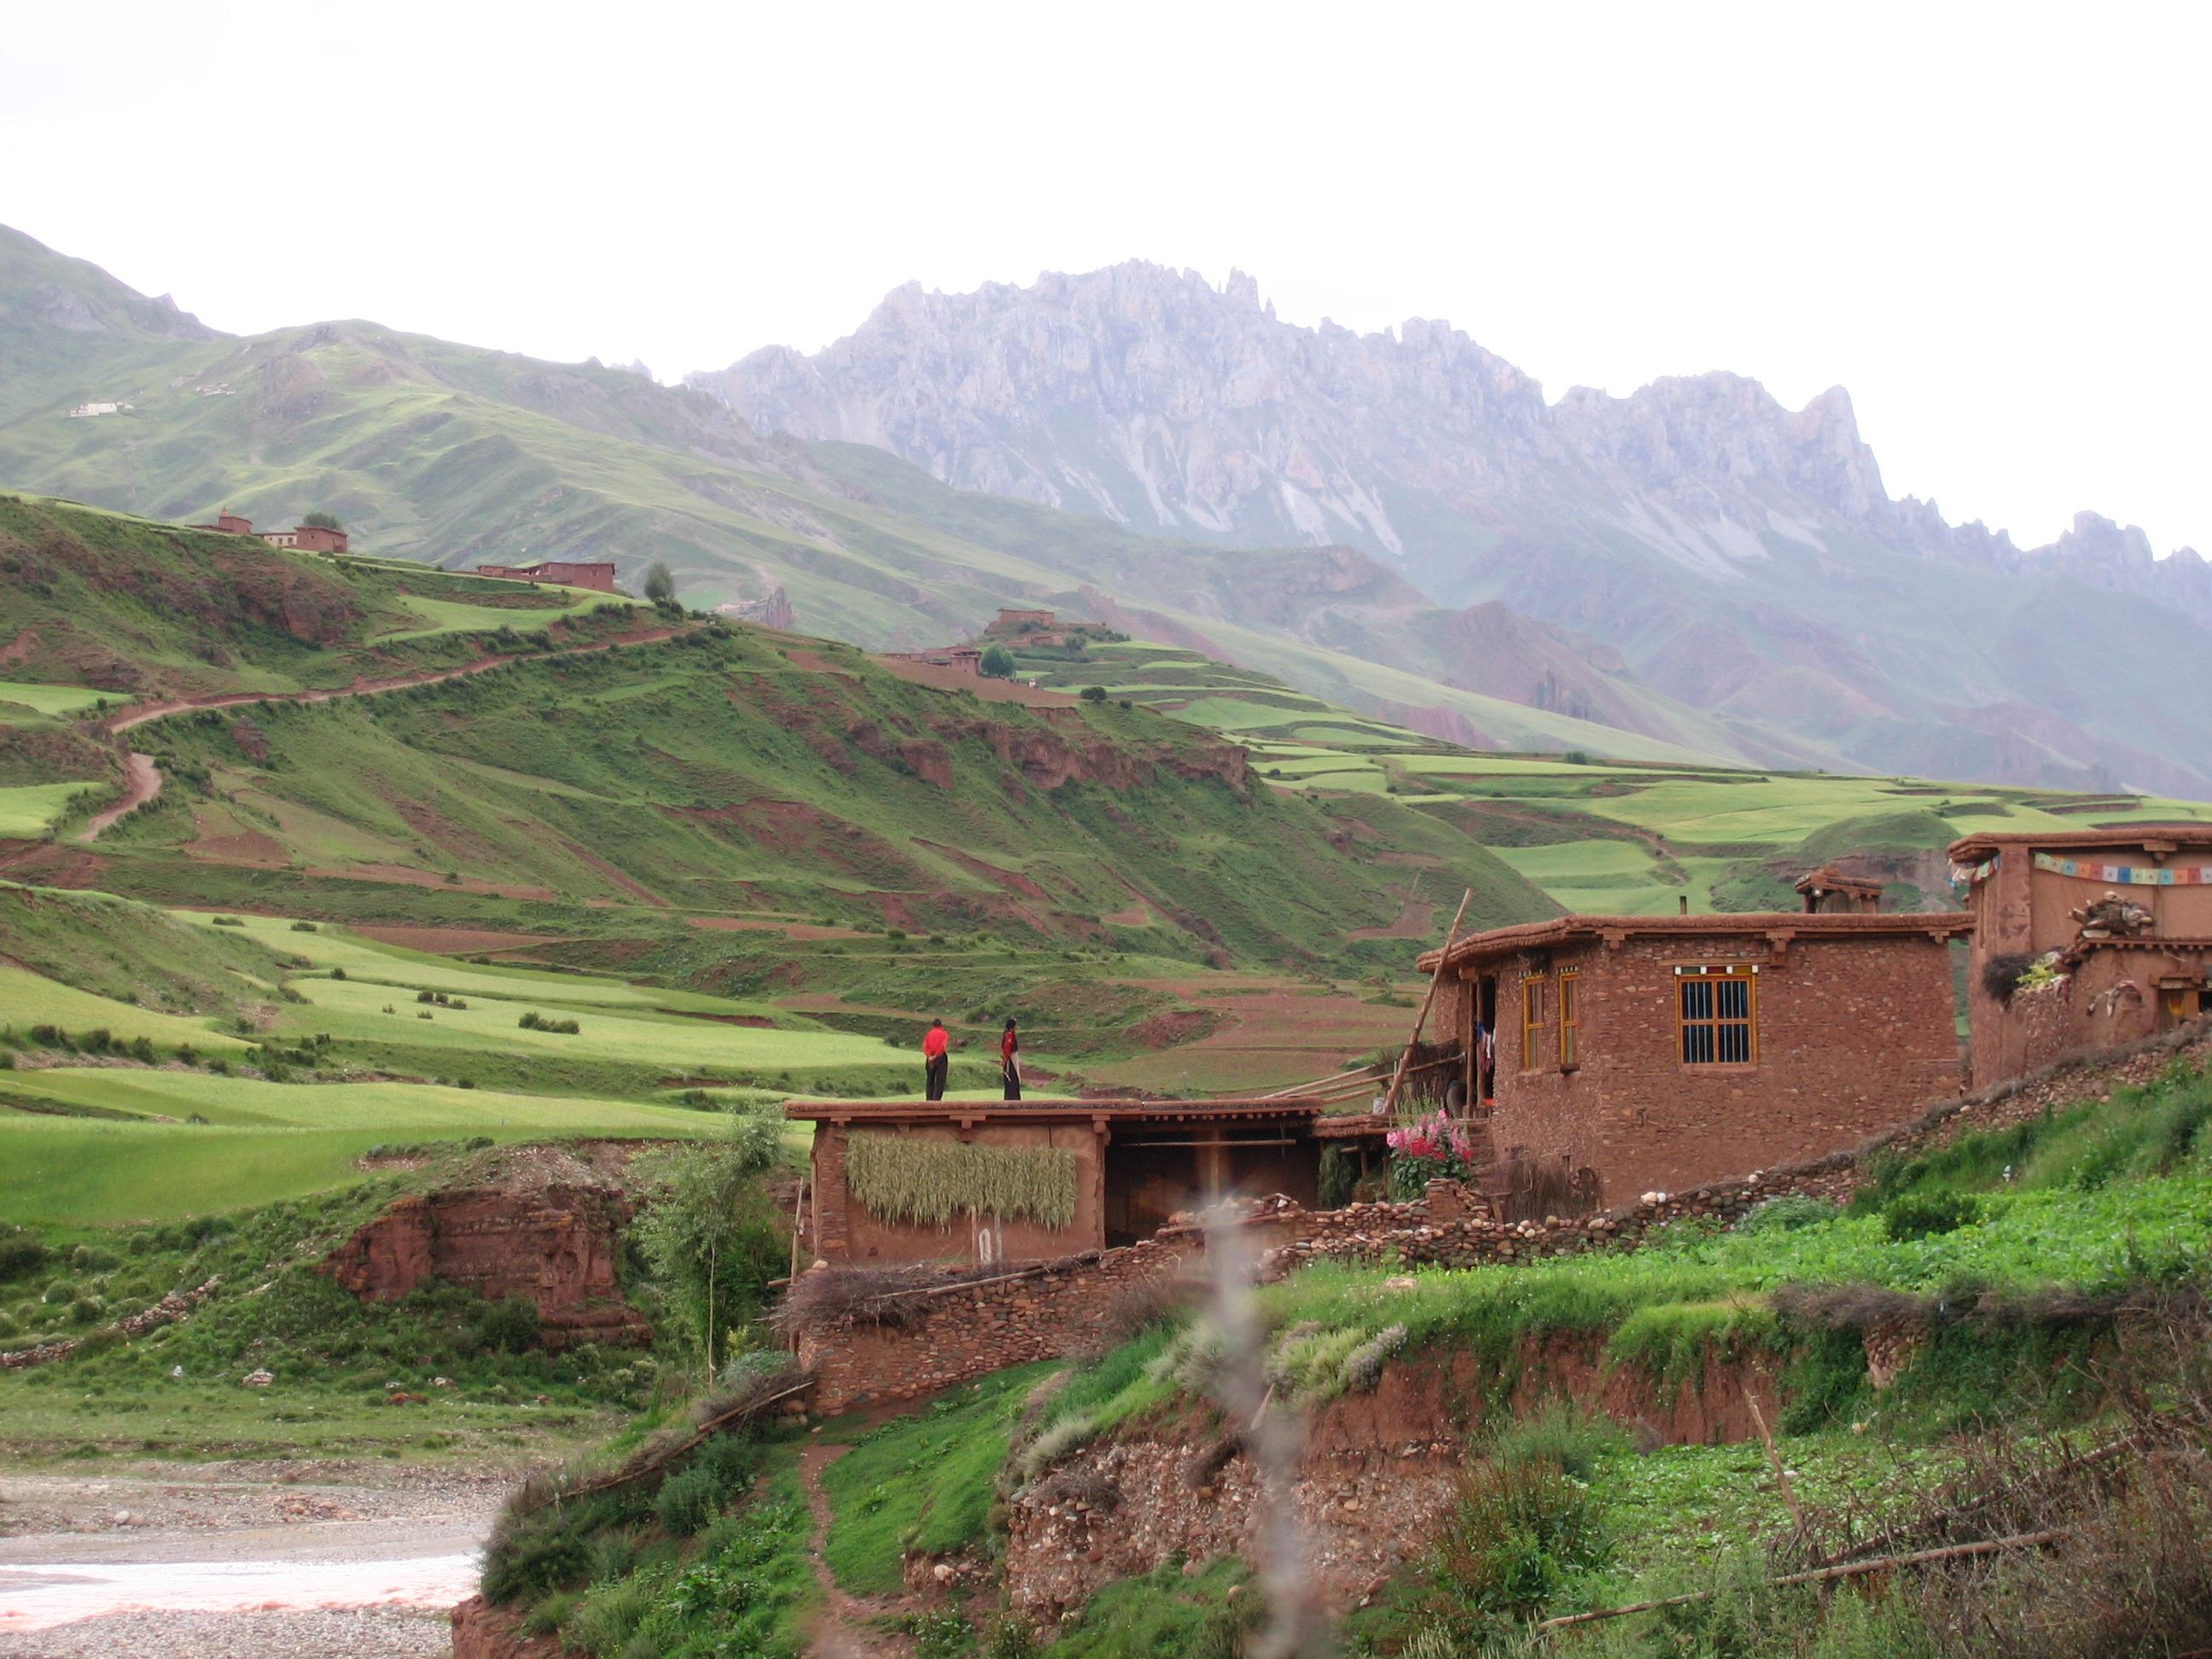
320 519
707 1228
660 582
998 663
1094 694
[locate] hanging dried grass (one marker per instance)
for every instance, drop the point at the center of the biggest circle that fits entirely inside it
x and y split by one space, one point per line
903 1178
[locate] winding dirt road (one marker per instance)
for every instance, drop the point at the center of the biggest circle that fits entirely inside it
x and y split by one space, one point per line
143 778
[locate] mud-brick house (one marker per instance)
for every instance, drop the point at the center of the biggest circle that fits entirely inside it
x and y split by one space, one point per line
1664 1051
2083 940
897 1181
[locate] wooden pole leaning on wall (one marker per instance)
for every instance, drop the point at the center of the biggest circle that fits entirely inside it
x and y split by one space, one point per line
1443 962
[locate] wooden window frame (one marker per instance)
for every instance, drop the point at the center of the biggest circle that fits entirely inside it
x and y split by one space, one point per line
1744 974
1532 1021
1568 998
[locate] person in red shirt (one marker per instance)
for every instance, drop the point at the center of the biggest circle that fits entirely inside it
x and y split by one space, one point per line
934 1065
1010 1068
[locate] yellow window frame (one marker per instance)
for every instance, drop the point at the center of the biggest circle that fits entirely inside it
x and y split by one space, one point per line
1532 1022
1717 1024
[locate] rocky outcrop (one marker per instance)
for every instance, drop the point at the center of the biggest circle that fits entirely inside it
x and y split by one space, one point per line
555 1246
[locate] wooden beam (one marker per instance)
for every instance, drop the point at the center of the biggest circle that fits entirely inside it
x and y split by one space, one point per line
1443 960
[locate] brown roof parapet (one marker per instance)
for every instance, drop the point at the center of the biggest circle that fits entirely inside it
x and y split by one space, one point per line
1788 925
991 1111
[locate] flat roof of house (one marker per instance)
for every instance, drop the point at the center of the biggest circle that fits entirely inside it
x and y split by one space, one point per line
971 1112
2146 835
1792 925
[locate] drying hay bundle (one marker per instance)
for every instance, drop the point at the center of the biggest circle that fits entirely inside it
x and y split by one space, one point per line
901 1178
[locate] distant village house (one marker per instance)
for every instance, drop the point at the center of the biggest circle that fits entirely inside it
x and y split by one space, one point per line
304 539
599 578
93 412
2083 940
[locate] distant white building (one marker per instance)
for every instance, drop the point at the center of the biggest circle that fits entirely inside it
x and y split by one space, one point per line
86 411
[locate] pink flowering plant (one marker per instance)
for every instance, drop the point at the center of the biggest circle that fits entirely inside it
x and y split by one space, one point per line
1431 1148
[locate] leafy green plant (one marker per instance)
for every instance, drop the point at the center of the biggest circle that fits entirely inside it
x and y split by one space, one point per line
1925 1215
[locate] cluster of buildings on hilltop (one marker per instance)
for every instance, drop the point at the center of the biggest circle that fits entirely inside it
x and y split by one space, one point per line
305 537
1621 1054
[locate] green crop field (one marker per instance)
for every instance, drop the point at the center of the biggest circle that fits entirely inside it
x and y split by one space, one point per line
52 699
27 1000
31 809
351 1010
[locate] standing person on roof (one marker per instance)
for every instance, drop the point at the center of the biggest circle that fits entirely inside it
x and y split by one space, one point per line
934 1064
1010 1066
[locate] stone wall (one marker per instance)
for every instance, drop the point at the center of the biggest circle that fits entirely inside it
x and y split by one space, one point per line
965 1331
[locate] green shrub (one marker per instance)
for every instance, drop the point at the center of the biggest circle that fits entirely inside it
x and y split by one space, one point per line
509 1325
608 1616
690 1500
1093 693
1925 1215
534 1021
1572 1440
305 927
1788 1214
22 1254
1517 1533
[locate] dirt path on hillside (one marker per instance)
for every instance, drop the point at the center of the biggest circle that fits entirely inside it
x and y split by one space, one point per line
145 778
141 781
242 1560
843 1630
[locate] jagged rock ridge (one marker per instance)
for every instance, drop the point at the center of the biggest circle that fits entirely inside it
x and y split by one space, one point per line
1741 557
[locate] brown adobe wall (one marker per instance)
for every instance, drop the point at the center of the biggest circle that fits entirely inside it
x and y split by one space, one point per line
1376 1475
555 1246
1851 1033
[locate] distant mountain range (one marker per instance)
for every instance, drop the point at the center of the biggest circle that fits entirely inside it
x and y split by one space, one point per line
1401 526
1695 540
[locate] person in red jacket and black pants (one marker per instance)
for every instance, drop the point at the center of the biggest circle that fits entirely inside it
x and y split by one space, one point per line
934 1065
1010 1067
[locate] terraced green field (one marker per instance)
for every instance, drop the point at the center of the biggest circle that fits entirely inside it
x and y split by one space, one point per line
27 1000
31 809
51 699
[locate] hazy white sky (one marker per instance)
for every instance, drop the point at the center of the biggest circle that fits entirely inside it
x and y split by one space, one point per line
1989 222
